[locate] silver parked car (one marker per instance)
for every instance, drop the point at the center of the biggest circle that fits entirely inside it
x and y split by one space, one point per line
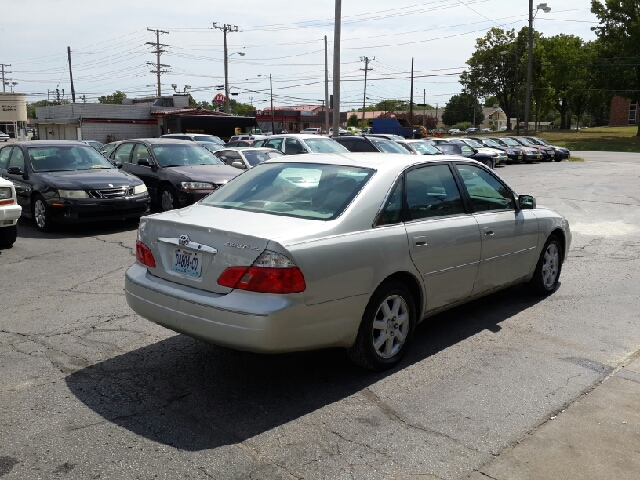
349 250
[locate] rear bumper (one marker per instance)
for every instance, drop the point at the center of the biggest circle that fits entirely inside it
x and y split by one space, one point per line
243 320
9 215
91 210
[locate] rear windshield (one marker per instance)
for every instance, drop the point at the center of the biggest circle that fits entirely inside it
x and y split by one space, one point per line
67 158
388 146
426 148
203 138
254 157
178 155
302 190
324 145
510 142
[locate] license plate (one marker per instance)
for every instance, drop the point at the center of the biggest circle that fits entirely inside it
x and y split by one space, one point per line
519 157
187 262
537 156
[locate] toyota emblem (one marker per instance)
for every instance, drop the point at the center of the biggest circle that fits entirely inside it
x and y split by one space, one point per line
184 240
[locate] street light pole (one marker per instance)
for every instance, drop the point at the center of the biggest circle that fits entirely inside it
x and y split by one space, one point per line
336 68
545 9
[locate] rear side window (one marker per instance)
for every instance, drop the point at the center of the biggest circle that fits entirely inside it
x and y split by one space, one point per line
303 190
432 192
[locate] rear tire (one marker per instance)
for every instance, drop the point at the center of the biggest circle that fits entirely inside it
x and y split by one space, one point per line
8 236
387 328
547 274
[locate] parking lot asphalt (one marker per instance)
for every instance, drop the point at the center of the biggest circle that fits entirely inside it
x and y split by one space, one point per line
90 390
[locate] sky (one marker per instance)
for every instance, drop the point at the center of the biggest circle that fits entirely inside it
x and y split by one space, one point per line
283 39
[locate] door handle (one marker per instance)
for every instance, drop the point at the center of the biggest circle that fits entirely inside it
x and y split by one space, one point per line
488 231
420 241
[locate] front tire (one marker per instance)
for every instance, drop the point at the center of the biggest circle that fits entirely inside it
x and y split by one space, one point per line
168 198
41 214
547 274
8 236
387 328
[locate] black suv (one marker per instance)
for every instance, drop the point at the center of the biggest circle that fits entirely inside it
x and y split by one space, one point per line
367 143
177 173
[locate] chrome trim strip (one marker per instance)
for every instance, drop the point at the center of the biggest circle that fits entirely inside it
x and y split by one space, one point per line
435 272
198 247
507 254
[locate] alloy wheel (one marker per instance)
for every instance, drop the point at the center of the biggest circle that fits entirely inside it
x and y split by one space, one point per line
166 200
390 326
550 265
40 213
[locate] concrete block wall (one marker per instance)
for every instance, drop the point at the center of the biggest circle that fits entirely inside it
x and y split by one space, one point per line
100 131
96 110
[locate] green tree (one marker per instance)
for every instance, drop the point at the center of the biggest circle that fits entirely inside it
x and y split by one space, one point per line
490 101
240 109
115 98
192 101
461 109
619 35
492 67
353 120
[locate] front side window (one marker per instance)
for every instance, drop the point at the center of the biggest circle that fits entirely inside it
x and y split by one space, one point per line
302 190
485 191
432 192
293 147
425 148
274 143
5 153
141 152
123 153
17 159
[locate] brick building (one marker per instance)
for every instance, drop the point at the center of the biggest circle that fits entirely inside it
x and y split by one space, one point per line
296 118
623 112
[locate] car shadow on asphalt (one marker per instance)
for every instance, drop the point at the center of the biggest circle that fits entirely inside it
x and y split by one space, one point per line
194 396
27 229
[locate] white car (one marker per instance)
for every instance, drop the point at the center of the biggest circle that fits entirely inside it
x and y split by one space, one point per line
3 137
10 212
298 143
312 131
454 131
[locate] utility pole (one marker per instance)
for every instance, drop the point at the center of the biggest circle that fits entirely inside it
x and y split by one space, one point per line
273 123
336 68
326 87
73 90
529 69
411 96
158 51
436 116
366 69
226 28
424 105
3 72
515 49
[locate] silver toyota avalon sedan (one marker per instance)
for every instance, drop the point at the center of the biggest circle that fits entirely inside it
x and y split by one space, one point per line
349 250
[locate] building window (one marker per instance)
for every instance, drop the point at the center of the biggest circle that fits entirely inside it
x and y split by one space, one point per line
632 113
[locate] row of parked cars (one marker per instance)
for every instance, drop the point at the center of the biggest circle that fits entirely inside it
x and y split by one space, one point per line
58 182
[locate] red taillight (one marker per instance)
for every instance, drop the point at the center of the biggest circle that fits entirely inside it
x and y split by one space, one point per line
264 279
144 255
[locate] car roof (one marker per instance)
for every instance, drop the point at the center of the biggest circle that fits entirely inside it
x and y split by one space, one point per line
303 136
383 162
162 141
50 143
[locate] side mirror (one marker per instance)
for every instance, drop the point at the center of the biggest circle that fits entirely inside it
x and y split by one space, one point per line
526 202
15 171
475 150
238 165
144 162
118 164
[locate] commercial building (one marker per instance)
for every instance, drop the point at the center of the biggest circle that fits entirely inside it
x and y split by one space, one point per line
13 113
623 112
295 118
106 122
